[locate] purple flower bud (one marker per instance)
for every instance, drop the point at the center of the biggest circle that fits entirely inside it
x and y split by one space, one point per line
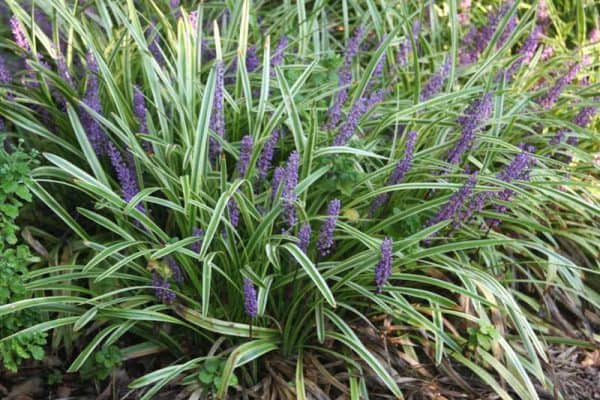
63 70
585 115
477 40
518 169
5 75
245 155
360 107
234 213
345 79
547 52
548 99
526 51
175 3
193 19
217 119
451 210
558 138
378 71
197 245
289 195
304 237
353 45
325 241
141 113
397 176
435 82
383 270
572 140
474 117
154 45
266 156
139 109
175 270
252 61
278 175
162 289
406 45
279 52
209 53
126 174
95 133
250 299
510 26
582 119
19 34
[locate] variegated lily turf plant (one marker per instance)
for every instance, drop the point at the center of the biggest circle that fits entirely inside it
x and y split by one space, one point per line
250 180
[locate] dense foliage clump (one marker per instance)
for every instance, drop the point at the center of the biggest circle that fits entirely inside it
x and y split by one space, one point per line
238 184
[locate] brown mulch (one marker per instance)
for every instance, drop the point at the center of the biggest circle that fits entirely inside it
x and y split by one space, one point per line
575 372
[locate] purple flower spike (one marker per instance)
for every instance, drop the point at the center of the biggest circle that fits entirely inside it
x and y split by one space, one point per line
378 71
139 109
162 289
266 156
197 245
511 24
278 175
154 45
234 213
325 241
476 40
19 34
126 174
279 52
558 138
63 70
252 61
585 116
582 119
5 76
95 133
193 19
217 118
399 172
383 270
406 45
353 46
345 79
547 52
304 237
141 114
518 169
245 155
360 108
250 299
175 270
548 99
451 210
291 181
435 82
526 51
474 117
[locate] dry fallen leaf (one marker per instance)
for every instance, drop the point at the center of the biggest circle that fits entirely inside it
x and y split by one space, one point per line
592 359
